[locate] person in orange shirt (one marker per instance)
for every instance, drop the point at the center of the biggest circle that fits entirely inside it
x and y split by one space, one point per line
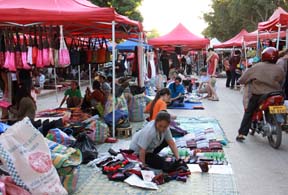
158 104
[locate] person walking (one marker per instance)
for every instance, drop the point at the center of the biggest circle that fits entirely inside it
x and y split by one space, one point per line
234 62
165 63
212 62
227 70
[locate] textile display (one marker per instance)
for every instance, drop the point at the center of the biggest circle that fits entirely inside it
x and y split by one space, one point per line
28 159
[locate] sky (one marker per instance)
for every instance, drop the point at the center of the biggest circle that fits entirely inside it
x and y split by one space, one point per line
164 15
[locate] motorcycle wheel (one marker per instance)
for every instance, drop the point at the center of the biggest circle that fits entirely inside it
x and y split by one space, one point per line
276 138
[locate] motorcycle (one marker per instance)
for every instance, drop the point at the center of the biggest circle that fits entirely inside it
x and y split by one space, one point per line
269 118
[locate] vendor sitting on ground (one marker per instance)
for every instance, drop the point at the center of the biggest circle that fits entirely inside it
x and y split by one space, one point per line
72 96
94 99
150 140
25 105
177 92
158 104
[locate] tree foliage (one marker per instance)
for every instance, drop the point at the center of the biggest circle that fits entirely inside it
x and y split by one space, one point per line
124 7
153 33
228 17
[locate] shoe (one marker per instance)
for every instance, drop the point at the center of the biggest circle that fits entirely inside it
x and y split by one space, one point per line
112 152
240 138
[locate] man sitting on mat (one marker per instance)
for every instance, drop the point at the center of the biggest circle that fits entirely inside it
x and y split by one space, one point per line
177 92
150 140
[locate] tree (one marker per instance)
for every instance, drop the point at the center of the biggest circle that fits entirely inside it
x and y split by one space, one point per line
230 16
127 8
153 34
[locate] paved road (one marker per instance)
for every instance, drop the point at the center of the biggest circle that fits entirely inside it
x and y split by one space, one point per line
259 169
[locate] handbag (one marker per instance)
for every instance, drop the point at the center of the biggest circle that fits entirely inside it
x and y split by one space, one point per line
74 54
24 54
64 58
45 55
30 51
39 62
34 48
2 49
51 48
94 54
83 55
18 55
89 52
101 52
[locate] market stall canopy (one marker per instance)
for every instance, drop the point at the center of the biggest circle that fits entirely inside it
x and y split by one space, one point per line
234 42
251 37
130 45
181 37
76 15
214 41
280 16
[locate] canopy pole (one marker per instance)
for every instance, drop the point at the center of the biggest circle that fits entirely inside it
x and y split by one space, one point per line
245 53
55 82
79 76
90 76
113 78
278 36
257 46
286 38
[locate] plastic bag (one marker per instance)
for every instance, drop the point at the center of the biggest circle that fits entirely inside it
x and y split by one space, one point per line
87 147
66 160
60 137
28 159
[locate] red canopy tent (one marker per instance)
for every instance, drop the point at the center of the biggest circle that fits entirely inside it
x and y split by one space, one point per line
280 16
252 37
180 36
77 16
236 41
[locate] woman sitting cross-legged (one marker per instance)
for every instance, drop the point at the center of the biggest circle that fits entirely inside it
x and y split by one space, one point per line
150 140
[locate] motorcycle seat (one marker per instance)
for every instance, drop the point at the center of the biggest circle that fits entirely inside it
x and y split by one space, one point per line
275 93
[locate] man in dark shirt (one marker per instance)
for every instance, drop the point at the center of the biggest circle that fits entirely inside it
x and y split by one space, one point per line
165 63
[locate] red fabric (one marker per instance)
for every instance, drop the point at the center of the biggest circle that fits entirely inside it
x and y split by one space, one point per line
234 42
180 36
66 12
280 16
252 37
211 65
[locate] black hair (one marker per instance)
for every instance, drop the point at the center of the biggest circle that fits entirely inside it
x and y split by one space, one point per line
163 116
96 85
164 91
210 49
203 70
21 93
238 52
176 79
76 83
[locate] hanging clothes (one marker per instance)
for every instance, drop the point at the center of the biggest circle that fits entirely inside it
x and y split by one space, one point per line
152 64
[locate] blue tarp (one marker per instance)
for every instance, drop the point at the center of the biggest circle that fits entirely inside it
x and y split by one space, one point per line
130 45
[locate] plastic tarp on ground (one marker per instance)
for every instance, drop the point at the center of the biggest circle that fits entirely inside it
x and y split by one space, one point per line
130 45
280 16
70 13
180 36
252 37
236 41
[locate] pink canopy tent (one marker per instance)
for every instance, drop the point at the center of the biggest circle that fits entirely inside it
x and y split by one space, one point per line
236 41
251 37
180 36
77 16
280 16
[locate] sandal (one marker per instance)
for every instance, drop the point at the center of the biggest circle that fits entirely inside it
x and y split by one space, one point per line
240 138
